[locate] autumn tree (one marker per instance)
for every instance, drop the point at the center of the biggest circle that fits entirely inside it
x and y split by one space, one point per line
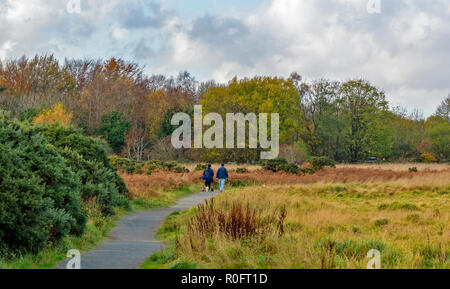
56 114
37 82
256 95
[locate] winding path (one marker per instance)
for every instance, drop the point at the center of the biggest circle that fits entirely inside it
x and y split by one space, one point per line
132 240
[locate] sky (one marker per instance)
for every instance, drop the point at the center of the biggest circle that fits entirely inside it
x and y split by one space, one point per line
402 48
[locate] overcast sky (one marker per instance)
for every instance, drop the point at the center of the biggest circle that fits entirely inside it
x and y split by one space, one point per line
404 50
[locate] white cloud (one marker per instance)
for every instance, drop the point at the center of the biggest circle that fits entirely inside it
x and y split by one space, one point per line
5 48
119 33
403 50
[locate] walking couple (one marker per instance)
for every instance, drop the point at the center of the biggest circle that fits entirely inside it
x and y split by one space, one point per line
208 177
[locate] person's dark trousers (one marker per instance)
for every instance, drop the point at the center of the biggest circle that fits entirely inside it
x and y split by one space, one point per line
209 185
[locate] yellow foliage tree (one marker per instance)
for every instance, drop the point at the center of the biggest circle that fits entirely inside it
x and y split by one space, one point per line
159 104
56 114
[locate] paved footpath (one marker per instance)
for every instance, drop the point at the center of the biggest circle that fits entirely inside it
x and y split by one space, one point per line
132 240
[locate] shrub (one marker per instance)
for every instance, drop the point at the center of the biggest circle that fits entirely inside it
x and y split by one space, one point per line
130 169
121 164
180 169
30 114
273 165
308 170
319 163
381 222
201 167
290 168
241 170
428 158
413 170
39 194
279 164
88 159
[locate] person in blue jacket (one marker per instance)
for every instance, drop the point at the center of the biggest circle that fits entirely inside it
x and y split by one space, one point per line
208 177
222 175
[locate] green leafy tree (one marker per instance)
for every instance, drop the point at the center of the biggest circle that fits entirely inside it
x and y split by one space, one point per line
438 130
113 128
324 126
365 106
255 95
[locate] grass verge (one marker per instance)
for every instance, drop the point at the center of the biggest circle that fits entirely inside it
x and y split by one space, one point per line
97 230
325 226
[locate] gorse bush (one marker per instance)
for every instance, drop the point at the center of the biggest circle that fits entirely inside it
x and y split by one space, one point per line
241 170
201 167
290 168
132 167
87 158
428 158
274 165
39 194
316 164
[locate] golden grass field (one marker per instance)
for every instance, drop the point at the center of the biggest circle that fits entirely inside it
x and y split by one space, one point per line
327 220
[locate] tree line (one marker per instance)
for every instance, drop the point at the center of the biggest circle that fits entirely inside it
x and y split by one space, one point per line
347 121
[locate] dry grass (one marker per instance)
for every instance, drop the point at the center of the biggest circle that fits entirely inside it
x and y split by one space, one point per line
236 221
331 220
398 167
156 185
231 167
349 175
150 186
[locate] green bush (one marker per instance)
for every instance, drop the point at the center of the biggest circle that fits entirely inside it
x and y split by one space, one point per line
319 163
180 169
277 165
308 170
148 167
88 159
290 168
428 158
39 194
121 164
201 167
241 170
273 165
